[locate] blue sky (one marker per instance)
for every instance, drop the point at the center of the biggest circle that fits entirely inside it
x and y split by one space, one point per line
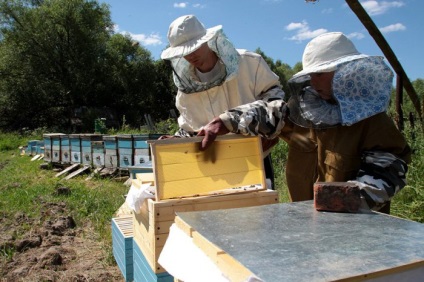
281 28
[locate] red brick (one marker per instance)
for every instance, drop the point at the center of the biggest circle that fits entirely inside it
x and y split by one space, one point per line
336 197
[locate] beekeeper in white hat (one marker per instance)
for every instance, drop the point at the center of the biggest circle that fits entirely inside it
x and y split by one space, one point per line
212 77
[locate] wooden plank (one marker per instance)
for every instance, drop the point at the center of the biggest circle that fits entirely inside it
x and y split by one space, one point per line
36 157
67 170
146 177
189 152
79 171
205 185
193 170
96 171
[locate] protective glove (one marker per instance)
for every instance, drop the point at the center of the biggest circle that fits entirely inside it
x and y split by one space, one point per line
211 131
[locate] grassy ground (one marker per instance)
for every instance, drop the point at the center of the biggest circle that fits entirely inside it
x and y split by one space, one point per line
24 186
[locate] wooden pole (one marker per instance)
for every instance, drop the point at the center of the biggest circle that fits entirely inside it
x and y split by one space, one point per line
366 20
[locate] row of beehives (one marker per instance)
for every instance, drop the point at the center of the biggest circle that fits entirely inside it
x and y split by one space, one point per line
98 150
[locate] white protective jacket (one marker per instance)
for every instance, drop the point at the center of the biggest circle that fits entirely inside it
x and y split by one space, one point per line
248 78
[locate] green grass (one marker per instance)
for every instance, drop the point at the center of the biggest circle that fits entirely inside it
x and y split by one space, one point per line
24 188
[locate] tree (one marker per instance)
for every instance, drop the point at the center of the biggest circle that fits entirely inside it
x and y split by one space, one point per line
51 59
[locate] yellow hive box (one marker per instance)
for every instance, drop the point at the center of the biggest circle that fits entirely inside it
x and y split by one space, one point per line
180 169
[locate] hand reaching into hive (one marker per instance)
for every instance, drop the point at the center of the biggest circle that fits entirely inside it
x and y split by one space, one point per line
211 131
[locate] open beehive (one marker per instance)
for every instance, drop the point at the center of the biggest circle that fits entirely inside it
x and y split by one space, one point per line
228 175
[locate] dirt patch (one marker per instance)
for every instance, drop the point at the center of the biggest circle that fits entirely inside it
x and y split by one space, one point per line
52 248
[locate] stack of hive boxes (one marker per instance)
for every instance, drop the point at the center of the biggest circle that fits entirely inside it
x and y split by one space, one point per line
52 150
228 175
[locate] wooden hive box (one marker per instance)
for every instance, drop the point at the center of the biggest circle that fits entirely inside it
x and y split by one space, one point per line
141 147
86 147
56 148
142 168
125 150
122 245
75 143
52 146
98 153
228 175
65 149
30 149
143 271
111 151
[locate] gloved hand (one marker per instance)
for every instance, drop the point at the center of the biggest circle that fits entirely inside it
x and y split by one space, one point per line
211 131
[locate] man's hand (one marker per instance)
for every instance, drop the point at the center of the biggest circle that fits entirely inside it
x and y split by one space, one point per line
211 131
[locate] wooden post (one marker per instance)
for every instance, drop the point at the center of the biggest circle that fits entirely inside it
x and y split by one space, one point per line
373 30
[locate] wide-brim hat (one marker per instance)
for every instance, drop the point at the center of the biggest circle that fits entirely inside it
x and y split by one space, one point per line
185 35
326 51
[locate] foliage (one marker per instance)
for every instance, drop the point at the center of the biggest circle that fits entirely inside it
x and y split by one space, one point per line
279 159
63 67
409 203
50 59
284 71
11 141
169 126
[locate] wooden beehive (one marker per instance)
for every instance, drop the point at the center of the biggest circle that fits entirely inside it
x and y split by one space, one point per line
52 147
87 149
125 150
111 151
65 149
181 169
228 175
98 153
75 143
122 245
152 223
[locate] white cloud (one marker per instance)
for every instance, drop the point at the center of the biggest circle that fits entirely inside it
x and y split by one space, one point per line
303 31
392 28
355 35
181 5
380 7
199 6
293 26
327 11
147 40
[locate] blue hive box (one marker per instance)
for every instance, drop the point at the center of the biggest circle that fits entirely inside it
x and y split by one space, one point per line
111 151
122 245
142 270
